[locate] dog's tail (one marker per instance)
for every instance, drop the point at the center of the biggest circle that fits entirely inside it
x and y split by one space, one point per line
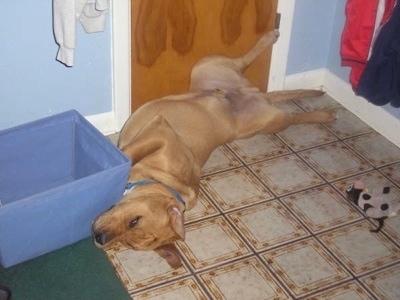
262 44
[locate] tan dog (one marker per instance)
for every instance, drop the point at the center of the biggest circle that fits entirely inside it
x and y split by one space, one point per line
170 139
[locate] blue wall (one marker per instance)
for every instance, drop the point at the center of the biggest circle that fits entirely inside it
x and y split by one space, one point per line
315 38
32 83
311 35
333 63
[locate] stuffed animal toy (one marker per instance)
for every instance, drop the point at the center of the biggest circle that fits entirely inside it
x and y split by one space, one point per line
374 204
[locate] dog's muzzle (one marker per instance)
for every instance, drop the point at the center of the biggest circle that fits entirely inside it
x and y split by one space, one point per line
101 238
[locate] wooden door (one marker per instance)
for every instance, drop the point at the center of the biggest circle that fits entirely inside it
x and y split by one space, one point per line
170 36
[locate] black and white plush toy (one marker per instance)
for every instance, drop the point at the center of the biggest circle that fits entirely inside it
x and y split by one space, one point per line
375 204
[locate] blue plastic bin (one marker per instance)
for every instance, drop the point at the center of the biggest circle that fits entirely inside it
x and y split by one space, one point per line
56 175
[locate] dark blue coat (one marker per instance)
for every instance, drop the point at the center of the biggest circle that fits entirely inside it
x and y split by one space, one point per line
380 82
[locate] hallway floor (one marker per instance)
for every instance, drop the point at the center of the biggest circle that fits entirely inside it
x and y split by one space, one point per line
273 222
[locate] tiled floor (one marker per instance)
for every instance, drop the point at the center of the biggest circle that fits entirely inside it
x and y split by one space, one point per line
273 222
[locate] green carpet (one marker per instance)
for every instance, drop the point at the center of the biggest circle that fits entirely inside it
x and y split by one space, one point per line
79 271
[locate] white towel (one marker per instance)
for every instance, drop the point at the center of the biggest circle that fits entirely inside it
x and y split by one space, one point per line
66 13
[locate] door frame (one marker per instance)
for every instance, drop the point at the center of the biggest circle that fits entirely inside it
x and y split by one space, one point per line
121 56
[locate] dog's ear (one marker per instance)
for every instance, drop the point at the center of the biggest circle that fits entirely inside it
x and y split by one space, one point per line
177 221
170 254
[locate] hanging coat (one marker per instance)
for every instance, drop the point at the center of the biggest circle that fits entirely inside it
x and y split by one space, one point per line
380 81
363 22
357 36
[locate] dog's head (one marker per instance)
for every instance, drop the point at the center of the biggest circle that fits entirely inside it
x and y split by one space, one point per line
145 219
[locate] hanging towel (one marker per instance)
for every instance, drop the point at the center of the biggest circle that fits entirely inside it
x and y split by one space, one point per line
90 13
380 82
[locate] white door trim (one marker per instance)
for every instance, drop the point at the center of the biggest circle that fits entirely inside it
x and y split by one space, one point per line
280 50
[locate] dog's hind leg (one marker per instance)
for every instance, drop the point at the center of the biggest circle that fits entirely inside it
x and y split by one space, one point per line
316 116
260 117
283 120
279 96
222 72
262 44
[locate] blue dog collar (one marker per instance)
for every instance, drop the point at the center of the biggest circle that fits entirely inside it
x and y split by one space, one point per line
130 186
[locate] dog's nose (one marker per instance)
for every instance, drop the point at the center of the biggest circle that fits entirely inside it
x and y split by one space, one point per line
101 238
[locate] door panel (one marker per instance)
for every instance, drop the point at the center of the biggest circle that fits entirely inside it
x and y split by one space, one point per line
170 36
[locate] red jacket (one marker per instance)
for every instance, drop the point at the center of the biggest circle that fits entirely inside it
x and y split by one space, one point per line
358 33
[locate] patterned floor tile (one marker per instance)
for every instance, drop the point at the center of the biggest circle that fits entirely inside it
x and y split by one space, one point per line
234 188
305 266
306 136
289 106
375 148
211 242
267 225
286 174
347 291
392 228
334 161
204 208
187 289
323 102
259 147
359 249
393 172
385 283
322 208
227 282
347 124
220 159
141 269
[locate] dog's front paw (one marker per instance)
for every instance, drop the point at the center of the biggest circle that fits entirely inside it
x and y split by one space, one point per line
328 116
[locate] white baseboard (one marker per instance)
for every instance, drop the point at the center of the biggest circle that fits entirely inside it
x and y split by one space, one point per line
105 122
306 80
375 116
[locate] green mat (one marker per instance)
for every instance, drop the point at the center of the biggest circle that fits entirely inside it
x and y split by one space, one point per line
79 271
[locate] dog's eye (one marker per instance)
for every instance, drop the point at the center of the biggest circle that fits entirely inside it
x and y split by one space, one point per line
134 222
